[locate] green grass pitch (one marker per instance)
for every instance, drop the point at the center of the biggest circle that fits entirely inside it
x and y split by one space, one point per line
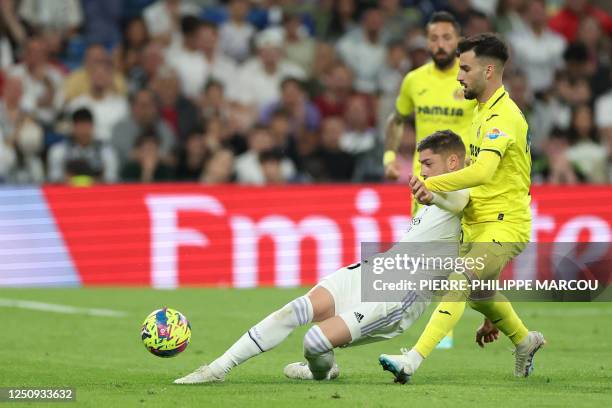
104 359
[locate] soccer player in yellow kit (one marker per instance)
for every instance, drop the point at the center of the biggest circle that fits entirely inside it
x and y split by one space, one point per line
432 93
497 220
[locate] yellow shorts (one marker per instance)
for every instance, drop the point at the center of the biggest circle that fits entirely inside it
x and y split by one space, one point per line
491 245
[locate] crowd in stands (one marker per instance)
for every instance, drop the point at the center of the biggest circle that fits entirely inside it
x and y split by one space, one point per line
275 91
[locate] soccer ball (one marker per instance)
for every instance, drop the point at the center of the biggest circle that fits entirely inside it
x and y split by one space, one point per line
166 332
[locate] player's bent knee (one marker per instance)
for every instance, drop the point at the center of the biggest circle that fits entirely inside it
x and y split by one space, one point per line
315 342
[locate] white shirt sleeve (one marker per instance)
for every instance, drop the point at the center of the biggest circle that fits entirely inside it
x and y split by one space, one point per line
453 201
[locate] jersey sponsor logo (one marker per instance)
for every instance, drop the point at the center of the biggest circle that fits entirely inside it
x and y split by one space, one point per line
495 133
474 150
439 110
359 317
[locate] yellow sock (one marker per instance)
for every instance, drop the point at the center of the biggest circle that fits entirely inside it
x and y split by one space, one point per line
442 321
502 314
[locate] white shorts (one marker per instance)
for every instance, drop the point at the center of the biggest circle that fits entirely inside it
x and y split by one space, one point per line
370 321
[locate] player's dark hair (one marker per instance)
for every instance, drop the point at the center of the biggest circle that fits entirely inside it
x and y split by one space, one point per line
443 141
485 45
82 115
444 17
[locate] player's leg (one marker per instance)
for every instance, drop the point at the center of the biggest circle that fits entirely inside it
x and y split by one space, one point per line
319 343
443 319
317 305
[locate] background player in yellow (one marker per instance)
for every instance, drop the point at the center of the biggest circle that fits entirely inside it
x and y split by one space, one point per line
497 220
432 93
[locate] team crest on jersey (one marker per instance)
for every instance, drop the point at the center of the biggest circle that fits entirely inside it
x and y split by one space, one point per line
495 133
458 94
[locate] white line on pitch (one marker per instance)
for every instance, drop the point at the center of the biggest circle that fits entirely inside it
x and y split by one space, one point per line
55 308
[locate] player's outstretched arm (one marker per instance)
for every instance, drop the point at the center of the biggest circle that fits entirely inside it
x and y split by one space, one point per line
453 201
481 172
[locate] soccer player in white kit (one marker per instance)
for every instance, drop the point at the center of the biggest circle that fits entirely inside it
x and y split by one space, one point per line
335 304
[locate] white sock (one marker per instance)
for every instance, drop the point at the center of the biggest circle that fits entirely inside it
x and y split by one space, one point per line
319 352
415 358
265 335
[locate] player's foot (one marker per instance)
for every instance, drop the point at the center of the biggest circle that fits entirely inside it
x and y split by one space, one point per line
202 375
400 365
525 351
300 371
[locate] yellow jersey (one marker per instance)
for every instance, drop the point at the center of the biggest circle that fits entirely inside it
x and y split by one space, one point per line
499 126
436 99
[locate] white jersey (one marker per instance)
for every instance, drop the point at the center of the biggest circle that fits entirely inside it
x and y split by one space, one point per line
434 224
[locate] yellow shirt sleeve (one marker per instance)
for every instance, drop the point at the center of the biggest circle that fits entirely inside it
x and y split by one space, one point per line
477 174
404 103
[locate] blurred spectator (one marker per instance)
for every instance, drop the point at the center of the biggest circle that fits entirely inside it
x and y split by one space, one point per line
418 52
143 120
338 87
128 55
271 162
303 114
57 19
212 102
461 9
163 19
188 59
260 77
151 61
236 34
42 96
220 133
397 19
598 45
192 157
537 50
81 154
325 59
363 50
477 23
359 136
219 66
147 165
299 47
180 113
12 32
554 167
21 139
103 21
79 81
587 155
107 105
219 169
567 20
332 164
579 65
393 71
508 16
248 168
342 19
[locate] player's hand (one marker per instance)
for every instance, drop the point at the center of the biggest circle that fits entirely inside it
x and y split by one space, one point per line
487 333
392 171
420 192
